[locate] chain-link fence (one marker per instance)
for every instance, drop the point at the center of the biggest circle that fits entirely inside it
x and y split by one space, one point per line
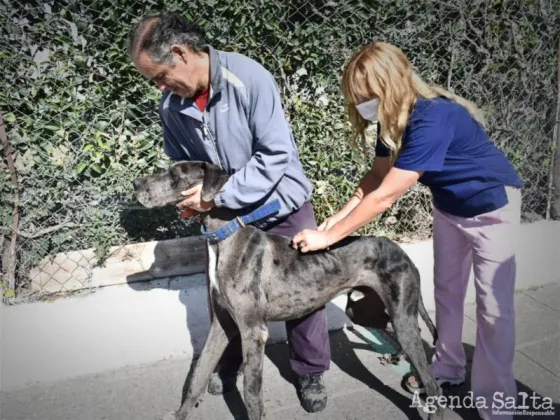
82 123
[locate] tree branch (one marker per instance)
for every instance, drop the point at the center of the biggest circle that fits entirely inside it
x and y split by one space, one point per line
450 73
9 258
553 209
42 232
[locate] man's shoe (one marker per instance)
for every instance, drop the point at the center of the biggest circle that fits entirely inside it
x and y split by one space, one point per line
222 383
312 392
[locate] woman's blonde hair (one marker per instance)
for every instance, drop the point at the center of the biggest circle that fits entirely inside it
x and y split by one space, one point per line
381 70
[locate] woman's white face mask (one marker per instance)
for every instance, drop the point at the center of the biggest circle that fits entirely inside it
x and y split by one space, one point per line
368 110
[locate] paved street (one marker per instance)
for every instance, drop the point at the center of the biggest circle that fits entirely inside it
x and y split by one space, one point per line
359 385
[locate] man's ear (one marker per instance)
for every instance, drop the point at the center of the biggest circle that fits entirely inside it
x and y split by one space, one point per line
180 52
214 179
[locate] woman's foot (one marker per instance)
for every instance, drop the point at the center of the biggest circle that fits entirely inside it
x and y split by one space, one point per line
414 384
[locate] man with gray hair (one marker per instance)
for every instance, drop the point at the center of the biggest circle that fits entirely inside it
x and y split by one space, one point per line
225 108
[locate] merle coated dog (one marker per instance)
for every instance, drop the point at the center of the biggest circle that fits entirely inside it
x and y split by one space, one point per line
255 277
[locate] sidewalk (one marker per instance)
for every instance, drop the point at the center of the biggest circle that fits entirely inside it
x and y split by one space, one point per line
359 385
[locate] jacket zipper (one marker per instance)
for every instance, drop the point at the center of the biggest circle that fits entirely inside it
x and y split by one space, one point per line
208 134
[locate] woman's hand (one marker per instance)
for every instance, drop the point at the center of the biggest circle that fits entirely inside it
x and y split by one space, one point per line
311 240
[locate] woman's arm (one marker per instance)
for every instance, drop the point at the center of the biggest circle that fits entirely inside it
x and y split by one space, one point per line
373 179
370 182
395 183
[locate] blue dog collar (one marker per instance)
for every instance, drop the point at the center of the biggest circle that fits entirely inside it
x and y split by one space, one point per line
240 222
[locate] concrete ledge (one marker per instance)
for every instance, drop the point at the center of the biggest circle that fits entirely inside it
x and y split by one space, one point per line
143 322
76 270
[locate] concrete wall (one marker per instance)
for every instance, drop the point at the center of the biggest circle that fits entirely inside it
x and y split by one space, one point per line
141 323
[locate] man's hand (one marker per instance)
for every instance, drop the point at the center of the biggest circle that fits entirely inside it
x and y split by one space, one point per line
187 214
194 201
311 240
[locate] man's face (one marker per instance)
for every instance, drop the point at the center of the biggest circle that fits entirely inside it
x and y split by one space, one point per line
185 77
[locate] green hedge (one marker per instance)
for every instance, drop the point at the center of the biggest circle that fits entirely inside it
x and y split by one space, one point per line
83 122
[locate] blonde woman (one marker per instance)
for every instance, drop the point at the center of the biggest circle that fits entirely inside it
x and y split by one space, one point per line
431 136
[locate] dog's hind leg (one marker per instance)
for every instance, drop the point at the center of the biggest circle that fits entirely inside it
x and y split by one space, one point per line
408 335
254 340
213 348
426 318
407 331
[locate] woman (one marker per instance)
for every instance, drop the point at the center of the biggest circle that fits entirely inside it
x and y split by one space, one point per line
431 136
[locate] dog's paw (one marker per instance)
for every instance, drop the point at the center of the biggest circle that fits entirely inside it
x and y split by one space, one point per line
172 415
383 359
390 359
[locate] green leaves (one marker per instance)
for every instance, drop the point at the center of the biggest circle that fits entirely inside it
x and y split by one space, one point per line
83 121
9 293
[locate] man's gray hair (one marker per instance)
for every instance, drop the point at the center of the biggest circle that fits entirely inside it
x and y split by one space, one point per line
155 34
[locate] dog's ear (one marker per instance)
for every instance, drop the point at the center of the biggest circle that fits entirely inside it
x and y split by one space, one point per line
214 179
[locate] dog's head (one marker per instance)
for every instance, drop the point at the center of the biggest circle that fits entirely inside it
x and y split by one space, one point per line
165 188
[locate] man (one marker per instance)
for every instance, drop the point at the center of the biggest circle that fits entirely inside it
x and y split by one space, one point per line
225 108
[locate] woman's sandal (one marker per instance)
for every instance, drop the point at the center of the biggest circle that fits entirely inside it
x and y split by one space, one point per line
415 385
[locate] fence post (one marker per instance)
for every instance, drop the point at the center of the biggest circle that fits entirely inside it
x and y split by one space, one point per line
555 172
9 252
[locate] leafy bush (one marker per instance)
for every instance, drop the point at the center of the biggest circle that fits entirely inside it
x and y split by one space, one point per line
83 123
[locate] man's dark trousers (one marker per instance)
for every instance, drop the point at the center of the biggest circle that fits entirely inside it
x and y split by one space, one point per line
308 338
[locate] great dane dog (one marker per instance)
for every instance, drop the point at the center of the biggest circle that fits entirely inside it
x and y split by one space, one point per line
256 277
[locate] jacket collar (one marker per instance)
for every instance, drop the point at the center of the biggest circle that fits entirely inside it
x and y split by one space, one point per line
216 78
217 82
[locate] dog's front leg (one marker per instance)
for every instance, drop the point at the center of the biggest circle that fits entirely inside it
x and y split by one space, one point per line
213 348
254 340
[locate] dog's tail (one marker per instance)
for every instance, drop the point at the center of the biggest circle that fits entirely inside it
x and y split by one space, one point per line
426 318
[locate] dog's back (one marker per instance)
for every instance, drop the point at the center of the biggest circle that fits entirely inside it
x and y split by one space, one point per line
286 283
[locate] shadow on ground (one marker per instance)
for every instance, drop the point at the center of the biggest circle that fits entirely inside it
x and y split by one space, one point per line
345 357
343 354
